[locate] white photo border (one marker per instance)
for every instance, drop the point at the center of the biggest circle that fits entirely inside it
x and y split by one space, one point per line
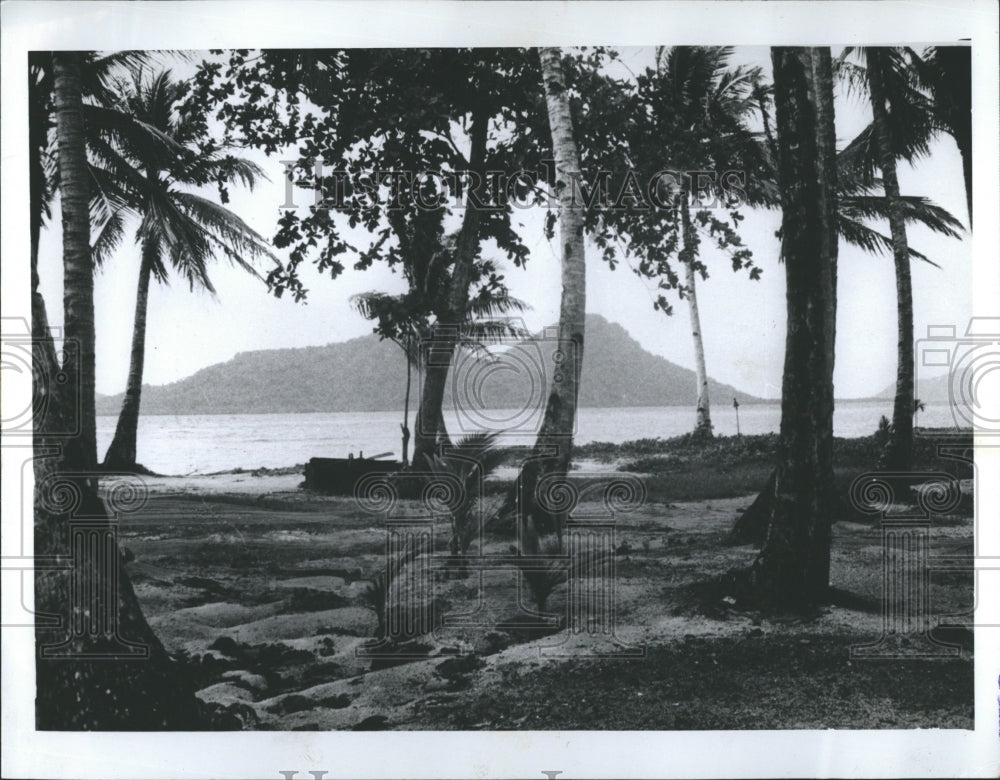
30 26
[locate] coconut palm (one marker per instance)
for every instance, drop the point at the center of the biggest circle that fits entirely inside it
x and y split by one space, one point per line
793 566
96 72
902 127
177 227
399 322
698 109
408 320
861 200
946 72
147 693
78 268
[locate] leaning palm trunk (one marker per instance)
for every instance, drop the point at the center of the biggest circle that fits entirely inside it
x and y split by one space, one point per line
899 450
560 412
703 424
793 567
122 452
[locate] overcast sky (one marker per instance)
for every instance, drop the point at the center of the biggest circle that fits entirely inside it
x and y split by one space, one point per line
743 321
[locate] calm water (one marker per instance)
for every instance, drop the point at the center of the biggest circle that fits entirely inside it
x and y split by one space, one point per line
190 444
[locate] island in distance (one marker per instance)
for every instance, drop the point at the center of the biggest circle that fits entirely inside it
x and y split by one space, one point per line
368 375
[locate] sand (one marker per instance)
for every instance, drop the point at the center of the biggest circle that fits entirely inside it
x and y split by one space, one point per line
263 591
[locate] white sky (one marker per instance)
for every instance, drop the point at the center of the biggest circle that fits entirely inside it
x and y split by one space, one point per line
742 321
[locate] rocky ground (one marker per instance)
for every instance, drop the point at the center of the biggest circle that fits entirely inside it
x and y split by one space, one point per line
264 592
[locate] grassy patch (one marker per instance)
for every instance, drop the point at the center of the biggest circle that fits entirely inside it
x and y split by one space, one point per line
690 469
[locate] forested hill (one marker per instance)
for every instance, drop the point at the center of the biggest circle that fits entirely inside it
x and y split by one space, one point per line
365 374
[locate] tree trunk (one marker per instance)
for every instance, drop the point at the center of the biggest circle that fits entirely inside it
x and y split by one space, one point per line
703 423
793 568
46 363
122 452
430 420
44 357
99 665
405 428
560 411
78 267
899 451
751 526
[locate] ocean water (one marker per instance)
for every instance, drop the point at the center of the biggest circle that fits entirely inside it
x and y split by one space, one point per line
200 444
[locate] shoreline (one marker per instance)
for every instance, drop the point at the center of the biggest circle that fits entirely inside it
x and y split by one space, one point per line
678 468
756 402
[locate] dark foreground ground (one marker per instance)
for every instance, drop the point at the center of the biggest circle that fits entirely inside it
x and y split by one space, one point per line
262 591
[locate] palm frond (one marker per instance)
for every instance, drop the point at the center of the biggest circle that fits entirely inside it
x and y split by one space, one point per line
106 236
496 305
483 332
860 235
228 232
916 210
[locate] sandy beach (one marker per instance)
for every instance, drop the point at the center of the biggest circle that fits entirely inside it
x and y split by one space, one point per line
263 591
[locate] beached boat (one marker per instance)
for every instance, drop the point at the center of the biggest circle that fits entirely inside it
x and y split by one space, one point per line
338 476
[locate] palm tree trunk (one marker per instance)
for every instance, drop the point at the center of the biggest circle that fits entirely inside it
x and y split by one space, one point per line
78 266
793 568
122 452
43 347
703 424
406 403
899 451
99 665
560 411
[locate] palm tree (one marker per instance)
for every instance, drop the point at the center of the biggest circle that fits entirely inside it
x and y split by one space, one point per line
699 107
793 566
703 422
78 267
99 119
400 322
904 120
408 320
858 203
883 71
560 411
111 694
946 71
177 227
